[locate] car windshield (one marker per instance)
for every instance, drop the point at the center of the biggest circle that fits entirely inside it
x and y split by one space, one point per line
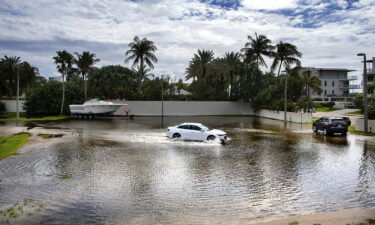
205 128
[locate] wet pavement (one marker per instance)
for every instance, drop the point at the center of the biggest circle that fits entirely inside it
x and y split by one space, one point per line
119 171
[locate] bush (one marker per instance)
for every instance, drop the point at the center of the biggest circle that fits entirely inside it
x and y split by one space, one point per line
327 104
2 107
46 99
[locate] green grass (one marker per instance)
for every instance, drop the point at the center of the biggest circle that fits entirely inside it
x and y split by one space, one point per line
7 115
46 118
356 113
325 109
354 131
10 144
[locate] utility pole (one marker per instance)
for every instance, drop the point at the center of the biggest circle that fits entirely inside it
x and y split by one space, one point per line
285 97
18 91
364 92
162 100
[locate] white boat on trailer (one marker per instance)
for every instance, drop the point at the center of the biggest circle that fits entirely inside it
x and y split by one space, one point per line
95 107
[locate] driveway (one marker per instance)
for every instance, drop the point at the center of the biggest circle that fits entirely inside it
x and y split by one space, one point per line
339 113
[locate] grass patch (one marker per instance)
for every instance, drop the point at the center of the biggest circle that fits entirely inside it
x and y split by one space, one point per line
358 113
10 144
352 129
10 115
64 177
48 136
326 109
293 223
46 118
28 207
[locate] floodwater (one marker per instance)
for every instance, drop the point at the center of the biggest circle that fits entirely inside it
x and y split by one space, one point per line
119 171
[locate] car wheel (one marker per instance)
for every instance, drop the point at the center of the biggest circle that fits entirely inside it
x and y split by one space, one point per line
315 129
211 138
325 132
176 135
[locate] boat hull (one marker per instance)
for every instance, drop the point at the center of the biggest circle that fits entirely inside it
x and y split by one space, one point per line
94 109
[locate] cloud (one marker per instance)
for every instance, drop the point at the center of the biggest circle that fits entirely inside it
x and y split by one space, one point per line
327 34
269 4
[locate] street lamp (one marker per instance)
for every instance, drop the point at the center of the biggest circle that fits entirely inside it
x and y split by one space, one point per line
364 91
162 100
18 92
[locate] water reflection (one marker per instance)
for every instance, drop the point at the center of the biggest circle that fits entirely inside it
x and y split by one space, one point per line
122 171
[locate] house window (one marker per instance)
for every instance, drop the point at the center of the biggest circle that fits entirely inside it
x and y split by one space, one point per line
325 83
333 83
333 92
325 92
370 78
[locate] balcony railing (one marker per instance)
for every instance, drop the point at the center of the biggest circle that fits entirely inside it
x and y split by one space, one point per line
355 86
371 70
353 77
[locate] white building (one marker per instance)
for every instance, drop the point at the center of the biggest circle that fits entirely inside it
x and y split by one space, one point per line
335 85
371 76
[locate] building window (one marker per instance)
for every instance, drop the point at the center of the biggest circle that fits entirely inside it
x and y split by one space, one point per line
370 78
325 83
333 83
325 92
370 91
333 92
320 83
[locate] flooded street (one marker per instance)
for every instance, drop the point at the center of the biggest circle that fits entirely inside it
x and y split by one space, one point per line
119 171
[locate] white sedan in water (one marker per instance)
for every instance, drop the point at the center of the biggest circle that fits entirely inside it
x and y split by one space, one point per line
196 132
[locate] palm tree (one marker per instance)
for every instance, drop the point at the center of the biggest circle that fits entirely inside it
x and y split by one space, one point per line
256 48
198 65
311 82
85 63
141 52
286 54
9 67
64 61
233 65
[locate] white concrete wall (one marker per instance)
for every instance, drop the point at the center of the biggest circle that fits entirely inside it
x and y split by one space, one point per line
186 108
290 116
360 125
11 105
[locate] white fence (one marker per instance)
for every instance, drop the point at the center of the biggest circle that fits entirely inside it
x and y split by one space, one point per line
360 125
186 108
290 116
11 105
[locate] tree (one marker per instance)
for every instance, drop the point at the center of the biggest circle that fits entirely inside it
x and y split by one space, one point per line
141 52
45 99
198 65
9 69
233 66
286 54
311 82
85 63
63 61
256 48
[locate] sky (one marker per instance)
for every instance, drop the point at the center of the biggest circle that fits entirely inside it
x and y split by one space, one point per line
329 33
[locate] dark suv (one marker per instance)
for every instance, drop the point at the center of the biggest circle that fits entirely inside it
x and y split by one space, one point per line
331 125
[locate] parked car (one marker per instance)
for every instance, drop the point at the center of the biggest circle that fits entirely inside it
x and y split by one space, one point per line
331 125
347 120
196 132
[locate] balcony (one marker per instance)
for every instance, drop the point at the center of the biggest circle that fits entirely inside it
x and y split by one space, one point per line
353 77
355 86
371 70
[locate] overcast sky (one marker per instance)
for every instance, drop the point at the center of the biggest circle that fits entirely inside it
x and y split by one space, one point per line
329 33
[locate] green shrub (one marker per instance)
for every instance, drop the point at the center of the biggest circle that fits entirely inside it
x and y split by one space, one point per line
46 99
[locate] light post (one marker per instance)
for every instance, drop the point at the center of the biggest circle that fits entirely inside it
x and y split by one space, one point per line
364 91
18 92
285 97
162 100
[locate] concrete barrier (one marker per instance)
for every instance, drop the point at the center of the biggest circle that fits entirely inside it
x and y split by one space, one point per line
11 105
290 116
186 108
360 125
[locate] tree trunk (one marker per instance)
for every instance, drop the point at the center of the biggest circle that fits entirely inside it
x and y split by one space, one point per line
85 85
278 73
63 96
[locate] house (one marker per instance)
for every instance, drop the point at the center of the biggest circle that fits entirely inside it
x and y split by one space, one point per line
335 85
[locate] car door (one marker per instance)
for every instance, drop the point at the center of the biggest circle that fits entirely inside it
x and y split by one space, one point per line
196 133
323 123
184 130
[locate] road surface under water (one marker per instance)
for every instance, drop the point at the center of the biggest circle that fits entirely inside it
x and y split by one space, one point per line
121 171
